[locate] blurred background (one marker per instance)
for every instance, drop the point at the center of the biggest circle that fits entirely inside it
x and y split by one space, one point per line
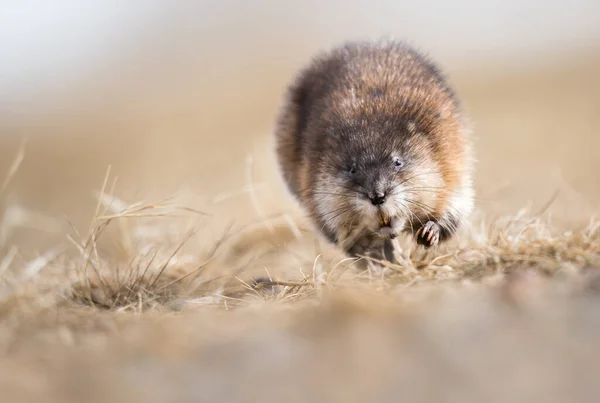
184 95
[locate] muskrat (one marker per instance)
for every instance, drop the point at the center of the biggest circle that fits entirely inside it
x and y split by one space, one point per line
373 142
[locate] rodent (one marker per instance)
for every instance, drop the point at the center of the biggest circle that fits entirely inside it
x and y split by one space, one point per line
373 142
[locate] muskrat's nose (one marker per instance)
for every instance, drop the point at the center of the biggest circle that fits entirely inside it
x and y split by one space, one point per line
377 198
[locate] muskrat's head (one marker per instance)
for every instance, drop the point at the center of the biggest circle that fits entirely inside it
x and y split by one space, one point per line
376 177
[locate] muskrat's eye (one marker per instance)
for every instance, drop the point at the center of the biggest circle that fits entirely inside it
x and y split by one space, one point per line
352 169
398 162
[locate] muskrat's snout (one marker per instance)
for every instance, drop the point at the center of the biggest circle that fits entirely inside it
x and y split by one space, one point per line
377 198
381 202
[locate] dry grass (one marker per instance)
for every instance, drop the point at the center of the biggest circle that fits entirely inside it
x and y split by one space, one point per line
145 306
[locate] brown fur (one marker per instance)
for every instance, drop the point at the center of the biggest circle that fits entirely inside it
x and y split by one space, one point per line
390 94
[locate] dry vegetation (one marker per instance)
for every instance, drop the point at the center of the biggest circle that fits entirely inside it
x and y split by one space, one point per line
145 306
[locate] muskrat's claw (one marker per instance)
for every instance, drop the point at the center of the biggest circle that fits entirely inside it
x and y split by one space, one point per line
429 234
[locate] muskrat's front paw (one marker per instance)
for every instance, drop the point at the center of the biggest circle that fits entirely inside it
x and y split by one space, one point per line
429 234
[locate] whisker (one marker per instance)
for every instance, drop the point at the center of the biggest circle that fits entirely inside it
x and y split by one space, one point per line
352 217
405 208
410 212
426 190
341 195
440 189
332 214
420 204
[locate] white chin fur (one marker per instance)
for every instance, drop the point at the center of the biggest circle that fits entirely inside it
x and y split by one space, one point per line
367 216
369 212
